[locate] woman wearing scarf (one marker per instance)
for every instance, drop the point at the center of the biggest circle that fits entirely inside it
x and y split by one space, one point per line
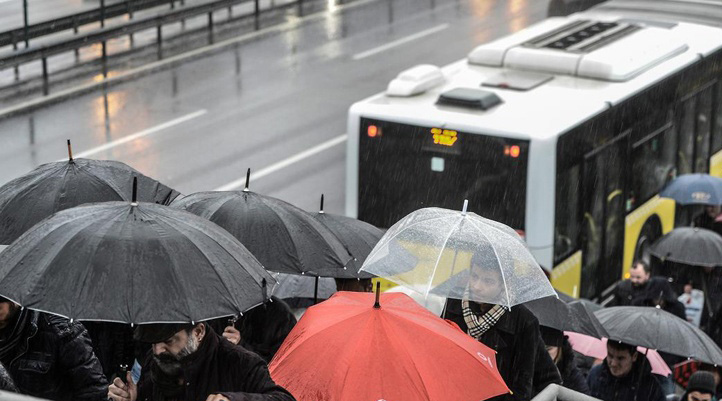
513 333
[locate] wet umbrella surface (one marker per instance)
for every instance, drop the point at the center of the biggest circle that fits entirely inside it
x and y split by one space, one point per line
656 329
690 246
445 244
346 349
131 263
57 186
694 189
557 314
284 238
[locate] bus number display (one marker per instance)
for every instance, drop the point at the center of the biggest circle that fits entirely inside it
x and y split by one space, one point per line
444 137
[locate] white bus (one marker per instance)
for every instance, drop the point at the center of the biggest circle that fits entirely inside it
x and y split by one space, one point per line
565 131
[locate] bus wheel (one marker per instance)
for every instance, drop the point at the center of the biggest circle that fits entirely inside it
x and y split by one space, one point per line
651 231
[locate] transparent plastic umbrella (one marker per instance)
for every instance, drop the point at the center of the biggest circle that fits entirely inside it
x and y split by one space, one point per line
445 244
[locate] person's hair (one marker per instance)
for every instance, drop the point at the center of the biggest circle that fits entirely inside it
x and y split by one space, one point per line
483 261
644 264
620 346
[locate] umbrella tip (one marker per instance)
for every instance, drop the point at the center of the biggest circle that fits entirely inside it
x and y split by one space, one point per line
466 205
320 210
134 198
248 178
70 152
377 305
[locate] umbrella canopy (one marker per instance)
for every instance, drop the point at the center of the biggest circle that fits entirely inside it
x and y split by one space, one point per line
297 286
694 189
555 313
597 348
690 246
445 244
131 263
52 187
657 329
284 238
357 236
346 349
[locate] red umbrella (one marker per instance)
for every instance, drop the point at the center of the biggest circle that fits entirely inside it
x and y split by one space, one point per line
347 348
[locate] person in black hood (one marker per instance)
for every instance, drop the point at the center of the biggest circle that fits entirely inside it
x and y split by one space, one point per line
561 352
262 329
49 357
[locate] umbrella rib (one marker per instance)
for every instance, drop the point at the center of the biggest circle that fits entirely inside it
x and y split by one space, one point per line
493 248
441 252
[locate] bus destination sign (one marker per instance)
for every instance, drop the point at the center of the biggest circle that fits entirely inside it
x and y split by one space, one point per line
444 137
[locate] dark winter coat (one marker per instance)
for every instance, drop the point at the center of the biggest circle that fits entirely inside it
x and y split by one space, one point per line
606 387
221 368
55 360
572 377
515 338
626 294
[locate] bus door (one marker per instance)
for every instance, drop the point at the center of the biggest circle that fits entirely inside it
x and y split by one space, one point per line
603 194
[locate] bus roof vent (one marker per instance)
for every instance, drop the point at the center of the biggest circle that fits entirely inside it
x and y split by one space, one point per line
606 50
415 80
469 97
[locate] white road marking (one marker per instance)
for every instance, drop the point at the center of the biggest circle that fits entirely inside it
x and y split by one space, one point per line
399 42
284 163
140 134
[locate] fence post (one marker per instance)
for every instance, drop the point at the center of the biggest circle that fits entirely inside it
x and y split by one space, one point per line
257 14
159 30
129 8
25 23
46 88
102 13
172 4
300 8
16 68
75 31
210 27
105 59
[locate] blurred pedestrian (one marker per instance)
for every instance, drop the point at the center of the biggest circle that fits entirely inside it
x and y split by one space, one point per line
693 301
354 284
561 352
49 357
624 376
514 334
262 329
193 363
642 289
709 219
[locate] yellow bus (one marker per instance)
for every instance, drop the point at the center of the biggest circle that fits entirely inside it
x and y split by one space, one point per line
566 131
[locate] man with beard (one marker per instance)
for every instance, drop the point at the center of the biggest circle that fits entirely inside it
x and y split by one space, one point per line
641 288
193 363
47 356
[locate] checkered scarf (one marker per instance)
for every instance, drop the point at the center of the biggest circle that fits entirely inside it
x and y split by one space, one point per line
478 325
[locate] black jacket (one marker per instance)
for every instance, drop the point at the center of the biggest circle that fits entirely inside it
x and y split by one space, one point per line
606 387
656 291
521 356
221 368
55 360
572 377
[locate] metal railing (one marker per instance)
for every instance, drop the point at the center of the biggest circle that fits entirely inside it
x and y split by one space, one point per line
102 36
555 392
75 21
8 396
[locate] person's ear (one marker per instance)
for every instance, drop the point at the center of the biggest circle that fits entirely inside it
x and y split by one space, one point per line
199 331
634 357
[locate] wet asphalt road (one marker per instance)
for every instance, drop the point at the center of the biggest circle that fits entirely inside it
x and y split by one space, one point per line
276 104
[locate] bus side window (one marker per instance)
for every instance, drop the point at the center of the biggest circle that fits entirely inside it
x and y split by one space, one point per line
702 131
717 120
685 152
566 216
653 165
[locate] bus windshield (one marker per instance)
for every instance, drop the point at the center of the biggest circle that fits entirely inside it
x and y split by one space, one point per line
404 167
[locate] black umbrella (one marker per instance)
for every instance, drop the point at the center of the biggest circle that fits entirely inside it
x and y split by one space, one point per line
284 238
358 237
656 329
557 314
52 187
690 246
131 263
